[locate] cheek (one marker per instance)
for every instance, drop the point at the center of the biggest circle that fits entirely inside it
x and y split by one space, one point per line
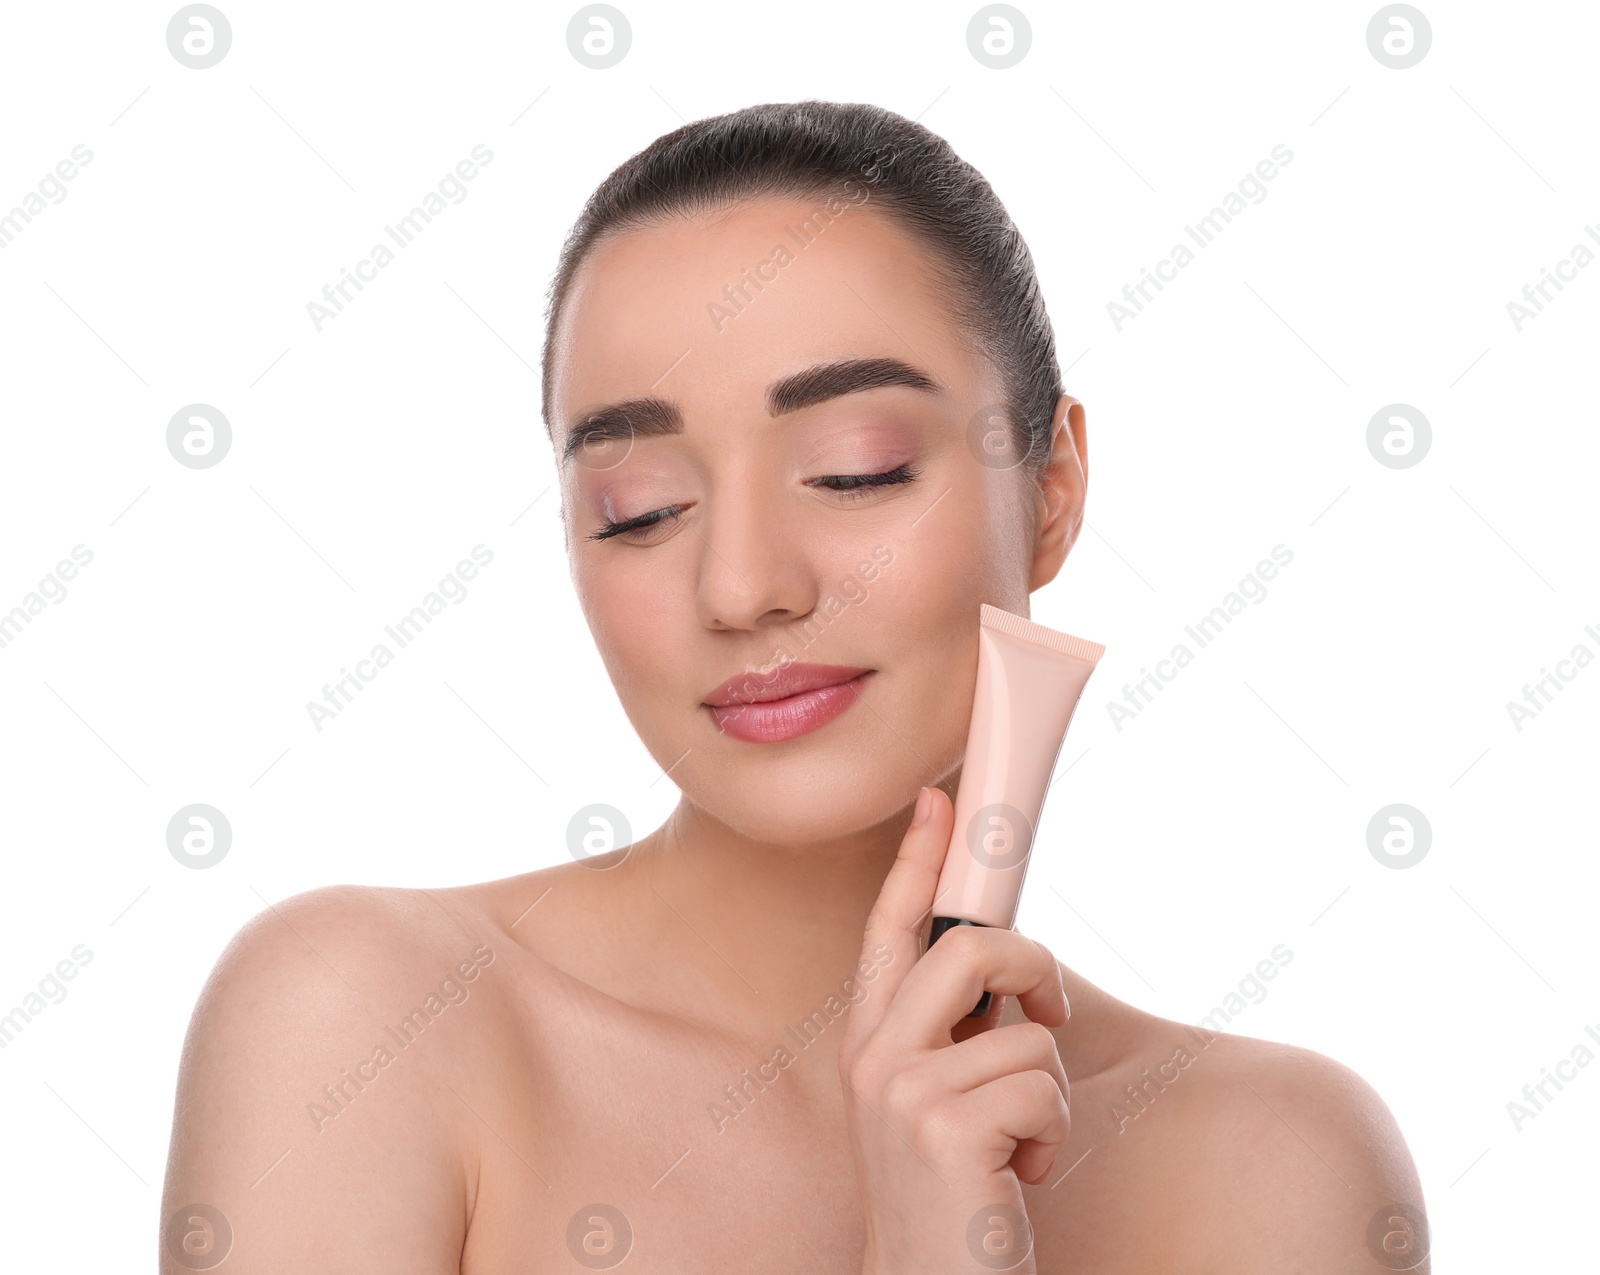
636 618
921 606
964 550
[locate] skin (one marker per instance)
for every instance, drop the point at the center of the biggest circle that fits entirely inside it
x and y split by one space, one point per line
613 999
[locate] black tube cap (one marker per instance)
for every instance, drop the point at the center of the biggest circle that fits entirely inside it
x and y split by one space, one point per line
940 925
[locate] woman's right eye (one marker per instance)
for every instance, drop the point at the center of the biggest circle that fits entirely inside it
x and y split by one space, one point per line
655 518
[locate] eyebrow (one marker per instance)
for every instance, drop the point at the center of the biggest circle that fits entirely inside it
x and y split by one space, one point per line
654 417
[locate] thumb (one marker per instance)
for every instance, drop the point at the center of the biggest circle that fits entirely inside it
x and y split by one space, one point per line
903 904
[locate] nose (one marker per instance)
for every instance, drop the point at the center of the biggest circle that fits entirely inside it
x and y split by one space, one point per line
755 571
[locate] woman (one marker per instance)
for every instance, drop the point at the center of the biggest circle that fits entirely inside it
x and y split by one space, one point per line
805 401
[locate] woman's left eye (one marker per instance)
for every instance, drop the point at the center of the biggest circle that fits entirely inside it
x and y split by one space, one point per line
856 485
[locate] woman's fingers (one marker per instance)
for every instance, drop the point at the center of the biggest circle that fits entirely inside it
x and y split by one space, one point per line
942 1130
968 1027
995 1053
1026 1106
902 907
956 971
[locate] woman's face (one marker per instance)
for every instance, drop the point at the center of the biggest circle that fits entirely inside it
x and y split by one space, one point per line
742 539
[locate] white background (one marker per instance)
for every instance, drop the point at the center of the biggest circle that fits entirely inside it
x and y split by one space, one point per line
1231 416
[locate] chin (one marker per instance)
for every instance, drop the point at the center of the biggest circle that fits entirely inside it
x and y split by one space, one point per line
831 785
803 810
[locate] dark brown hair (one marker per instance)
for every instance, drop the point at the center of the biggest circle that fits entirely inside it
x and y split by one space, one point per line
811 148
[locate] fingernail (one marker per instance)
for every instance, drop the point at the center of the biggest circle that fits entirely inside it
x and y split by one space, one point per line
924 808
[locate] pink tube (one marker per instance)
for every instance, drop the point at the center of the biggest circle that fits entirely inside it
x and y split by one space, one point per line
1030 680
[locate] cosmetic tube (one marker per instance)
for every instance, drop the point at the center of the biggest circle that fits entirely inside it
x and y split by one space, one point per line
1030 680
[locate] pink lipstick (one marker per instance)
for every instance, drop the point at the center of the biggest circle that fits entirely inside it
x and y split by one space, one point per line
784 703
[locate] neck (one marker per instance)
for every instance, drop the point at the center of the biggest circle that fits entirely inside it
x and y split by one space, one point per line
751 935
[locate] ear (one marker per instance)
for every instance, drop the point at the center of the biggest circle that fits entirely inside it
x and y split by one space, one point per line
1062 488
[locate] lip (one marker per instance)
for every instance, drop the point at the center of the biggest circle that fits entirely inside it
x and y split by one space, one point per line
793 700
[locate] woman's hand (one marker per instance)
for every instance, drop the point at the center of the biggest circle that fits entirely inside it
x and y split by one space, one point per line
943 1125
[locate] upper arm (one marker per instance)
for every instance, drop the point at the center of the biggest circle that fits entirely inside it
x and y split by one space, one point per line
1318 1178
305 1137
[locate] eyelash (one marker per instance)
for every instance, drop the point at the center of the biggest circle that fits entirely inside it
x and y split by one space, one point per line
861 485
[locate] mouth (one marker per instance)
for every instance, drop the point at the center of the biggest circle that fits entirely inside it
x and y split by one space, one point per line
794 700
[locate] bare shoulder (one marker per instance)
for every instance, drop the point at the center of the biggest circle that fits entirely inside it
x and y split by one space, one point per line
308 1116
1199 1152
1291 1160
325 952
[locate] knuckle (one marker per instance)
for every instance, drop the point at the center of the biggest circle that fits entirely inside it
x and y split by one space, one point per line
1041 1040
903 1096
1042 1094
1043 953
967 944
1043 1088
1056 1098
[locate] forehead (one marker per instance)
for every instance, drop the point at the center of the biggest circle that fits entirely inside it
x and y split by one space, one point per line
714 306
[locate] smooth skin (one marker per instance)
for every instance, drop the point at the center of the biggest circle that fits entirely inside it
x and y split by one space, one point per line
611 1063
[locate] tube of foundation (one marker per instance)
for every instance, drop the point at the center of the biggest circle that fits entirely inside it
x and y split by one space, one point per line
1030 679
